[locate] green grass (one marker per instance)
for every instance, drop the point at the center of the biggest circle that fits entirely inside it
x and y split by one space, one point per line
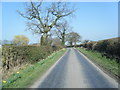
110 65
31 73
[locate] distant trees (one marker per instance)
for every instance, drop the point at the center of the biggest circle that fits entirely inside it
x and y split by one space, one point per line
61 31
20 40
56 42
6 42
0 42
85 42
73 37
41 20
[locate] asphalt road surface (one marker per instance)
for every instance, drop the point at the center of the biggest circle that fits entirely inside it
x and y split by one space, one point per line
74 70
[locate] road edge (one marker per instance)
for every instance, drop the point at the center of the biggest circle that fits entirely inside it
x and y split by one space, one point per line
104 72
41 79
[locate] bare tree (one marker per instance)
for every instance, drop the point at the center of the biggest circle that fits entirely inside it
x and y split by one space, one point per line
41 20
56 42
86 41
62 30
73 37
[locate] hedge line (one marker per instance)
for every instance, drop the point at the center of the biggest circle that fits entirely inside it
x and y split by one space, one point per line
13 56
109 48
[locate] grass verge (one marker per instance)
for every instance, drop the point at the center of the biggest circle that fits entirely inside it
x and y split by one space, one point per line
26 77
108 65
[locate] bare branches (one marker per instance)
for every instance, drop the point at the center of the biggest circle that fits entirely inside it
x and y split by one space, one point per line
37 16
42 20
61 30
39 4
28 17
59 10
34 27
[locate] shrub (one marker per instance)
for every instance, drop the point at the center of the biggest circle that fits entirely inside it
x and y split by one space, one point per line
13 56
101 45
90 45
109 48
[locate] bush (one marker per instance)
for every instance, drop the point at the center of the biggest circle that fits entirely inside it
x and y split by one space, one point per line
13 56
110 47
101 46
90 45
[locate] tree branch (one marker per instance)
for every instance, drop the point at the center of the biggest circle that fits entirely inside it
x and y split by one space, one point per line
38 14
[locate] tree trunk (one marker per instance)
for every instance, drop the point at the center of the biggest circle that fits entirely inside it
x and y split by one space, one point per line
71 43
44 39
75 44
63 40
41 40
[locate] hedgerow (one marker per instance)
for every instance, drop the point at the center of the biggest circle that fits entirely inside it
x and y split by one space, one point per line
15 56
109 48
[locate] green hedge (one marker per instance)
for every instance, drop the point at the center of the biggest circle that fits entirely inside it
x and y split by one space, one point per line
13 56
109 48
24 78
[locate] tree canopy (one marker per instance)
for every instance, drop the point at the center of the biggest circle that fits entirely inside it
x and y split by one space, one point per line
73 37
20 40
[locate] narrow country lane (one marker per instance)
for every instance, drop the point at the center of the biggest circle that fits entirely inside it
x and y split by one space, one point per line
74 70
